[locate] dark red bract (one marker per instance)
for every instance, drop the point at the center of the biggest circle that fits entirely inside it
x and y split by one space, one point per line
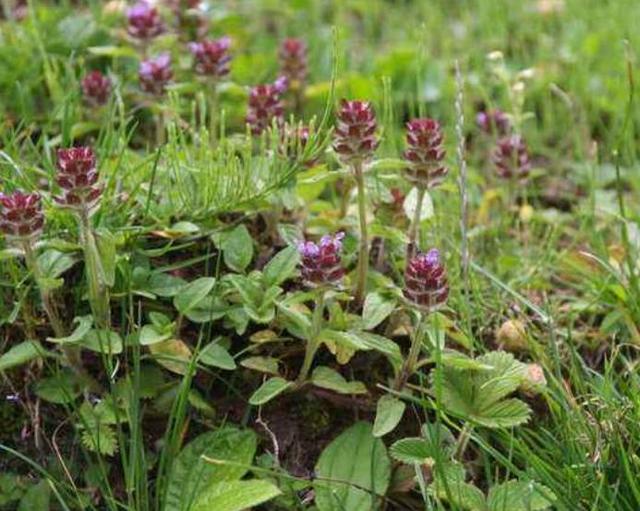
511 158
265 106
212 57
78 178
143 21
425 281
155 74
355 133
425 153
320 263
293 61
96 88
21 215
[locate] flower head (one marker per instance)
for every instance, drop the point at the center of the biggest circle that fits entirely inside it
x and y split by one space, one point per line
78 178
265 105
511 158
425 153
425 280
355 134
143 21
293 61
212 57
96 88
320 262
155 74
21 215
493 121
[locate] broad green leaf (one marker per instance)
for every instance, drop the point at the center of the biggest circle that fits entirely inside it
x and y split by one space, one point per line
173 355
235 495
248 288
389 411
60 389
327 378
150 334
106 245
103 341
519 496
216 355
298 323
53 263
355 457
36 498
192 293
237 248
412 450
281 266
84 325
165 285
211 308
503 414
268 390
191 474
267 365
377 308
21 354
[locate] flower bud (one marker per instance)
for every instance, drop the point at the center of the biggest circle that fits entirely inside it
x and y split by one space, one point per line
21 215
320 262
493 122
534 380
212 57
265 105
155 74
425 281
78 178
512 336
293 61
96 88
425 153
143 21
511 158
355 133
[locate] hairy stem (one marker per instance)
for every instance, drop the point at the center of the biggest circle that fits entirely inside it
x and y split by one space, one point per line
411 362
313 342
363 254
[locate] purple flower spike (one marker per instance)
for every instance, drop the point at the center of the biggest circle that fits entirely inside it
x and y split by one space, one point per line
144 22
265 105
155 74
293 61
78 178
21 215
320 262
493 121
212 57
96 88
355 134
511 158
426 281
425 153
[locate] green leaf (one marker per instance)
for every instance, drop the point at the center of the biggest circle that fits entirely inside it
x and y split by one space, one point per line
192 293
412 450
327 378
389 413
298 323
211 308
237 248
236 495
411 202
84 325
36 498
519 496
503 414
267 365
21 354
106 245
53 263
377 308
216 355
268 390
60 389
191 474
103 341
165 285
150 334
249 290
355 457
281 266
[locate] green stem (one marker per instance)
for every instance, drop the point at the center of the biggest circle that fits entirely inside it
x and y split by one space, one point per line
98 293
313 343
411 362
363 255
415 224
213 112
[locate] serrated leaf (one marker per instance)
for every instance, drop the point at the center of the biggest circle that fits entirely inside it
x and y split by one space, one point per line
36 498
189 296
519 496
281 266
21 354
376 309
236 495
191 474
327 378
503 414
60 389
268 390
412 450
355 457
216 355
389 411
267 365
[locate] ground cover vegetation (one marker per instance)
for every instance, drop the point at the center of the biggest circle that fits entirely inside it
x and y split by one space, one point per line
333 255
